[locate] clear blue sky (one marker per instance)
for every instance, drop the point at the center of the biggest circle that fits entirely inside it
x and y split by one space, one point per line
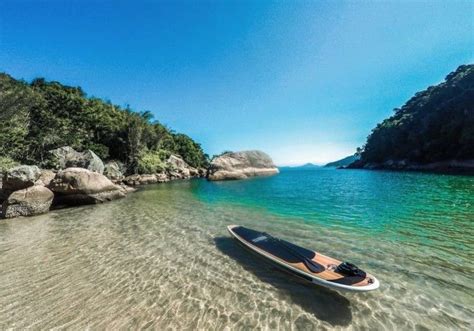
303 81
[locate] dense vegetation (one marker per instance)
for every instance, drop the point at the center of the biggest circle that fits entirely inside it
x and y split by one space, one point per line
434 125
39 116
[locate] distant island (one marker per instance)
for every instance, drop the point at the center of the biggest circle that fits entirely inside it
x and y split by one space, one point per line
433 131
309 165
303 166
342 162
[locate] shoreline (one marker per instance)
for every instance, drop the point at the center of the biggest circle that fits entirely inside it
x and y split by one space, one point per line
449 167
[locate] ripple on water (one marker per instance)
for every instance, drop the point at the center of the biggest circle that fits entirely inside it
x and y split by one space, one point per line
162 258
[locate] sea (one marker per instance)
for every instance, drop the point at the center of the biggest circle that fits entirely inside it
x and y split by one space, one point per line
162 258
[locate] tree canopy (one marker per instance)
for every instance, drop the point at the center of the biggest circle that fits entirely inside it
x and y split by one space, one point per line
40 116
435 125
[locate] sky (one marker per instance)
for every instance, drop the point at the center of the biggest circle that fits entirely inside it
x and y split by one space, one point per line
304 81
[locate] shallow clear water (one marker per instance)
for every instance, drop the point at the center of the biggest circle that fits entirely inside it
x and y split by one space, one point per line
162 257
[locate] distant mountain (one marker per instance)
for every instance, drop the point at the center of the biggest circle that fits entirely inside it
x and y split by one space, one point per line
342 162
304 166
308 165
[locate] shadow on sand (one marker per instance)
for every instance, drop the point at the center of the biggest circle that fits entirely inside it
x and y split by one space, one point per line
324 304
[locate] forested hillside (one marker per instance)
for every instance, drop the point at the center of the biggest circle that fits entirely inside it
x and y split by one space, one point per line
435 125
342 162
39 116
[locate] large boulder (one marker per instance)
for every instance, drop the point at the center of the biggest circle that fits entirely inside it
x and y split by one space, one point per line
66 157
20 177
241 165
113 170
45 177
76 186
178 168
30 201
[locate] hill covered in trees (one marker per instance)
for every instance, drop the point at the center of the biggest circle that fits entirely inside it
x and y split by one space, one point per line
342 162
40 116
433 130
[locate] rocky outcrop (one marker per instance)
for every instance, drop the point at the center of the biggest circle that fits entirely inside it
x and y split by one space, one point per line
45 177
135 180
178 168
241 165
114 170
66 157
30 201
27 190
20 177
76 186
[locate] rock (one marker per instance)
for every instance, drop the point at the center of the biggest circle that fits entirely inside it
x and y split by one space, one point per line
193 172
20 177
132 180
75 186
178 168
127 189
113 170
162 177
202 172
65 157
148 179
45 177
135 180
30 201
144 179
177 162
241 165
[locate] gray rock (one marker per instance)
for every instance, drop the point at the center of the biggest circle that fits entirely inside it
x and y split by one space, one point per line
66 157
135 180
162 178
241 165
76 186
127 189
20 177
113 170
45 177
178 168
30 201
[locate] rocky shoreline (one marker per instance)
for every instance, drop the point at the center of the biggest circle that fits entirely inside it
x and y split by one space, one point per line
464 167
76 178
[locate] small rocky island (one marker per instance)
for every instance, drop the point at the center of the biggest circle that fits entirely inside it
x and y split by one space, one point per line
241 165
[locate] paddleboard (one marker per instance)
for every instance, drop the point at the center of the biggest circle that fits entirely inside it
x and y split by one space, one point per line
310 265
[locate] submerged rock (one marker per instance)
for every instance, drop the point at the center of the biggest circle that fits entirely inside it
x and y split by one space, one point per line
20 177
30 201
241 165
127 189
66 157
75 186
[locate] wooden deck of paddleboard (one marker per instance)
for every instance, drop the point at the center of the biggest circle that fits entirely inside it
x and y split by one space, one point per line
327 264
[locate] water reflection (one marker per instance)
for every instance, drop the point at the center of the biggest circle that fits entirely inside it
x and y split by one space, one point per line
324 304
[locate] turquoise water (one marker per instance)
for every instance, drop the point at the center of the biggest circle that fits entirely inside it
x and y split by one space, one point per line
162 257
